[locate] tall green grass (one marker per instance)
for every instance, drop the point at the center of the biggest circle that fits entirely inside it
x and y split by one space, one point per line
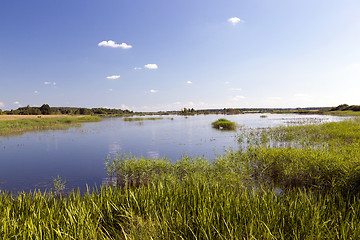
192 208
9 127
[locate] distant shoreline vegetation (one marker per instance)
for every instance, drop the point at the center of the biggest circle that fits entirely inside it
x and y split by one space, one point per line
45 109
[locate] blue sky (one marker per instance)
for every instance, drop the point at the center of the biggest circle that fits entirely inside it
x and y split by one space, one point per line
172 54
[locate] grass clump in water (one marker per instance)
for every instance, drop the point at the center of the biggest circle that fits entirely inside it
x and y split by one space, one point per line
223 124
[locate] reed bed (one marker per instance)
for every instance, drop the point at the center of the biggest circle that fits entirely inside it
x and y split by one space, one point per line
19 126
299 182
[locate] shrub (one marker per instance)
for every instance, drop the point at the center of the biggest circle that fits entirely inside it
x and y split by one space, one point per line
224 124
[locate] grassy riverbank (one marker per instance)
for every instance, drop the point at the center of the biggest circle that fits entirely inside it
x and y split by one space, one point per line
300 182
17 124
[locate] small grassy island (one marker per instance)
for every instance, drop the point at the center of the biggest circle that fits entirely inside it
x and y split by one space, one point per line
223 124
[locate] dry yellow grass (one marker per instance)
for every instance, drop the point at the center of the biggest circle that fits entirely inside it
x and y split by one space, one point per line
18 117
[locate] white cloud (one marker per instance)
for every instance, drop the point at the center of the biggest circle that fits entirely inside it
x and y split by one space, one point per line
151 66
113 77
227 82
17 103
237 98
235 20
235 89
50 83
110 89
2 104
36 92
113 44
274 98
153 91
189 82
137 68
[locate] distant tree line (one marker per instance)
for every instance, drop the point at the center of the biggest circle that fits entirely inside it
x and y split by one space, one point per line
345 107
45 109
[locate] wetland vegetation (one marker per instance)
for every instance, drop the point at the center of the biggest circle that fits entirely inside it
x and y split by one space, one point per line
15 124
295 182
223 124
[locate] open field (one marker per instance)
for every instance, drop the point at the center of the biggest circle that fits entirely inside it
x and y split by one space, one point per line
18 124
298 182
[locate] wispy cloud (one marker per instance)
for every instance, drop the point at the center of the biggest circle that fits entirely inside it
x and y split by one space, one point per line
110 89
50 83
113 77
151 66
2 104
137 68
17 103
113 44
153 91
36 92
235 20
235 89
189 82
237 98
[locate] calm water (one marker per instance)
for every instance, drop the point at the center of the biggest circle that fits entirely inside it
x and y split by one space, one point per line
31 161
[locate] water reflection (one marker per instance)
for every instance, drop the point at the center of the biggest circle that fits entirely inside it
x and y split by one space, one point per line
114 148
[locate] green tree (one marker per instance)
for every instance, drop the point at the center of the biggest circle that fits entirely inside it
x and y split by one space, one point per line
45 109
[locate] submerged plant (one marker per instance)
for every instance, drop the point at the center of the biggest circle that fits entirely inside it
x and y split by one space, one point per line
59 184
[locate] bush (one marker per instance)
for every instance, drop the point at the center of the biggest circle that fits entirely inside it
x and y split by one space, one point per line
224 124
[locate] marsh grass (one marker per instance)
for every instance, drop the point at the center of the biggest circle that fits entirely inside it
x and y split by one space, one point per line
224 124
9 127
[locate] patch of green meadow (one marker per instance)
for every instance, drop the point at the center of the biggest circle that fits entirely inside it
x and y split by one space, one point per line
10 127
